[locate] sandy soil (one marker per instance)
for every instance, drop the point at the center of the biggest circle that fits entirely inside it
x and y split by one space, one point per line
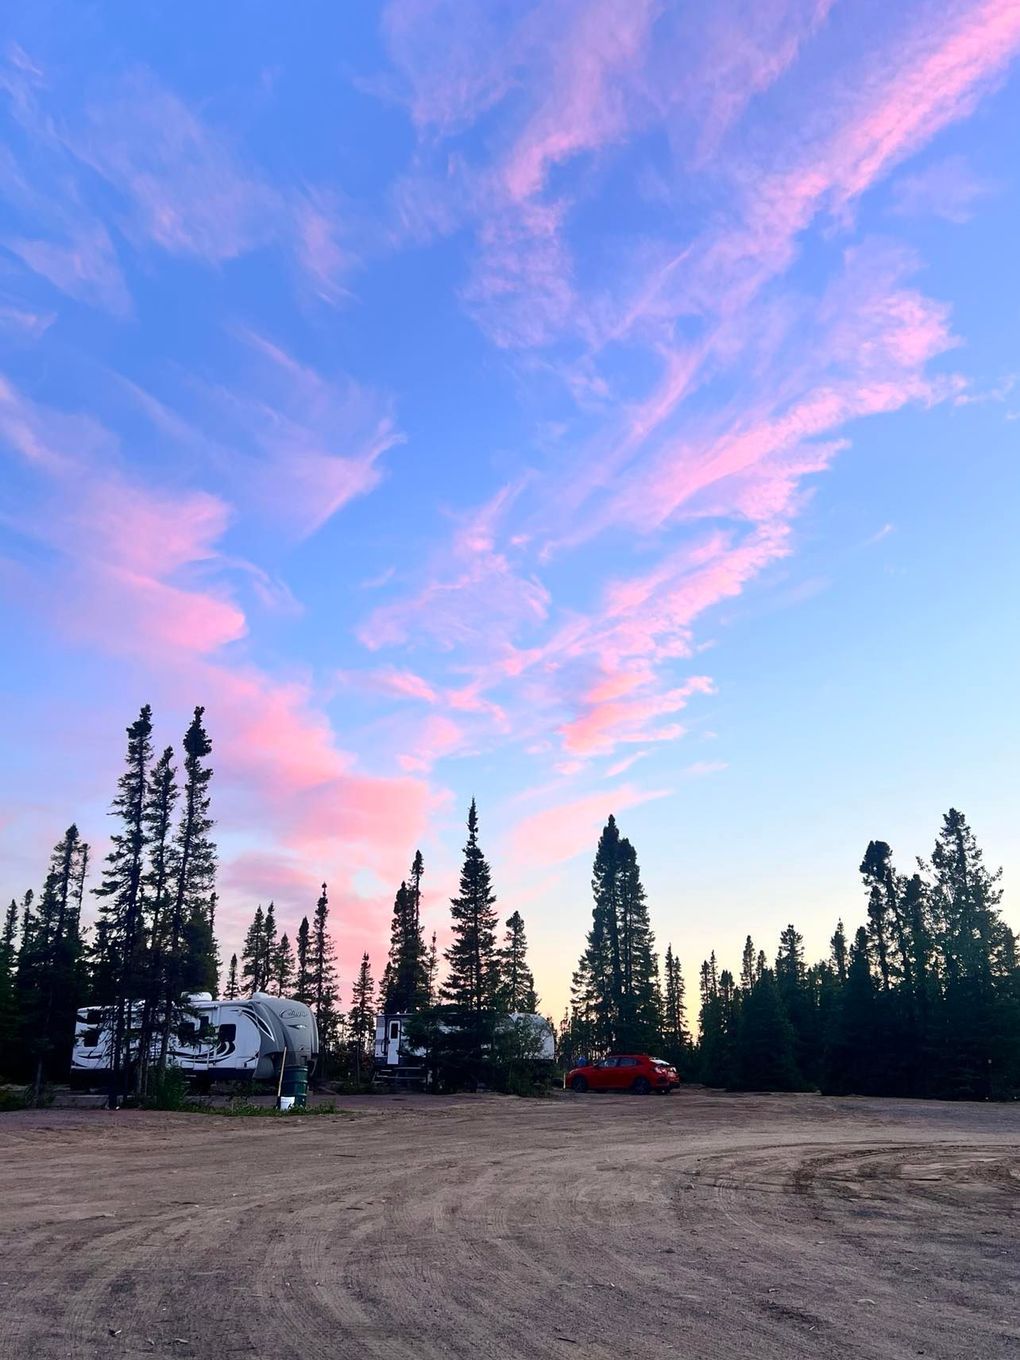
698 1225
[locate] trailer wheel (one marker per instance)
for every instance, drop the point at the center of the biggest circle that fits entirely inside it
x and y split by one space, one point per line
579 1084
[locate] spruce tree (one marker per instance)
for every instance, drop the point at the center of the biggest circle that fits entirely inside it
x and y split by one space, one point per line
121 895
405 981
253 954
518 993
158 887
282 969
321 965
638 1003
473 983
232 990
303 984
765 1043
676 1038
8 997
361 1021
188 929
50 971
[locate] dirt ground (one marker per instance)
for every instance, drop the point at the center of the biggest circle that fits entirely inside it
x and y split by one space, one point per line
698 1225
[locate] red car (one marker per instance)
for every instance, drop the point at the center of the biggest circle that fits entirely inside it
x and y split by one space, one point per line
635 1072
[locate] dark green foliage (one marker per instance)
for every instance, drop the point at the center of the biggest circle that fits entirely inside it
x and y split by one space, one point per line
405 983
473 982
232 990
518 989
615 998
282 968
49 978
361 1021
320 965
8 996
765 1041
676 1039
303 982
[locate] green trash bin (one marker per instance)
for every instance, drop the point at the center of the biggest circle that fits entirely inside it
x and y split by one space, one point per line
295 1084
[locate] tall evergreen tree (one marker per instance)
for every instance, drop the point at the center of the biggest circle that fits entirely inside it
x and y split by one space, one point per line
254 954
283 964
473 983
158 886
50 970
676 1038
121 894
232 990
303 985
361 1021
765 1042
405 981
188 926
518 993
638 1004
8 996
321 965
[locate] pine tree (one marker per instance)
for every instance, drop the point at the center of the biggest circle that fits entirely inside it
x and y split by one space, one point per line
598 981
432 972
282 970
8 997
638 1003
748 972
964 900
518 993
254 954
50 970
850 1057
765 1044
676 1039
361 1021
158 887
121 894
838 952
270 946
189 943
473 983
232 991
797 1002
405 981
303 985
321 965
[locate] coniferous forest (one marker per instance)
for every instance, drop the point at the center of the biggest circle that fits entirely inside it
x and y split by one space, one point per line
921 998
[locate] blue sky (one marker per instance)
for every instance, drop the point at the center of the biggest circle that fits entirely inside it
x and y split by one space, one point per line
604 407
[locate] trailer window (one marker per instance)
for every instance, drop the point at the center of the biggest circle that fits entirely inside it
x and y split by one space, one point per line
394 1029
188 1033
227 1034
90 1038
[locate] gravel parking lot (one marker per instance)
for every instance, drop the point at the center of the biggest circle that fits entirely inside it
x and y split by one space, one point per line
697 1225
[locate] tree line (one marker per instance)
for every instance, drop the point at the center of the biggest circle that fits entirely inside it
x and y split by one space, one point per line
153 941
922 1000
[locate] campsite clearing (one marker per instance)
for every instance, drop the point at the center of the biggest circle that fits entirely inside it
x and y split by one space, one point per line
699 1225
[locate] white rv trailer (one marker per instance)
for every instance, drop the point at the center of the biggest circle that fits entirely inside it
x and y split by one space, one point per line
222 1039
397 1059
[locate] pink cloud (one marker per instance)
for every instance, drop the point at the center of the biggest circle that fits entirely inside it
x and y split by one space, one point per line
947 188
84 266
583 105
562 831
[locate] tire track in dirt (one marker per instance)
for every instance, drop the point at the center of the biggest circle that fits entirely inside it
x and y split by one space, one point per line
706 1225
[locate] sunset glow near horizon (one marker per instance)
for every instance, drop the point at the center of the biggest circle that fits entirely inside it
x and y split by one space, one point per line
604 407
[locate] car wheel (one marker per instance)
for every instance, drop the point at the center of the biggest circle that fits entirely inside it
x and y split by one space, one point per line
642 1086
579 1084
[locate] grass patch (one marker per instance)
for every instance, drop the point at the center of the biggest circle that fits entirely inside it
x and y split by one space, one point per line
239 1109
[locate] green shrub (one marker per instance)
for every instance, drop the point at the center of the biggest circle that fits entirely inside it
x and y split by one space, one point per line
14 1098
168 1090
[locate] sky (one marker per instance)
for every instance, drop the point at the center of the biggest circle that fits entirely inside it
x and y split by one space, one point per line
587 406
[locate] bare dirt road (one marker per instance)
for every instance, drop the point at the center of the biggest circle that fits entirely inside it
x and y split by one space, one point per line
699 1225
